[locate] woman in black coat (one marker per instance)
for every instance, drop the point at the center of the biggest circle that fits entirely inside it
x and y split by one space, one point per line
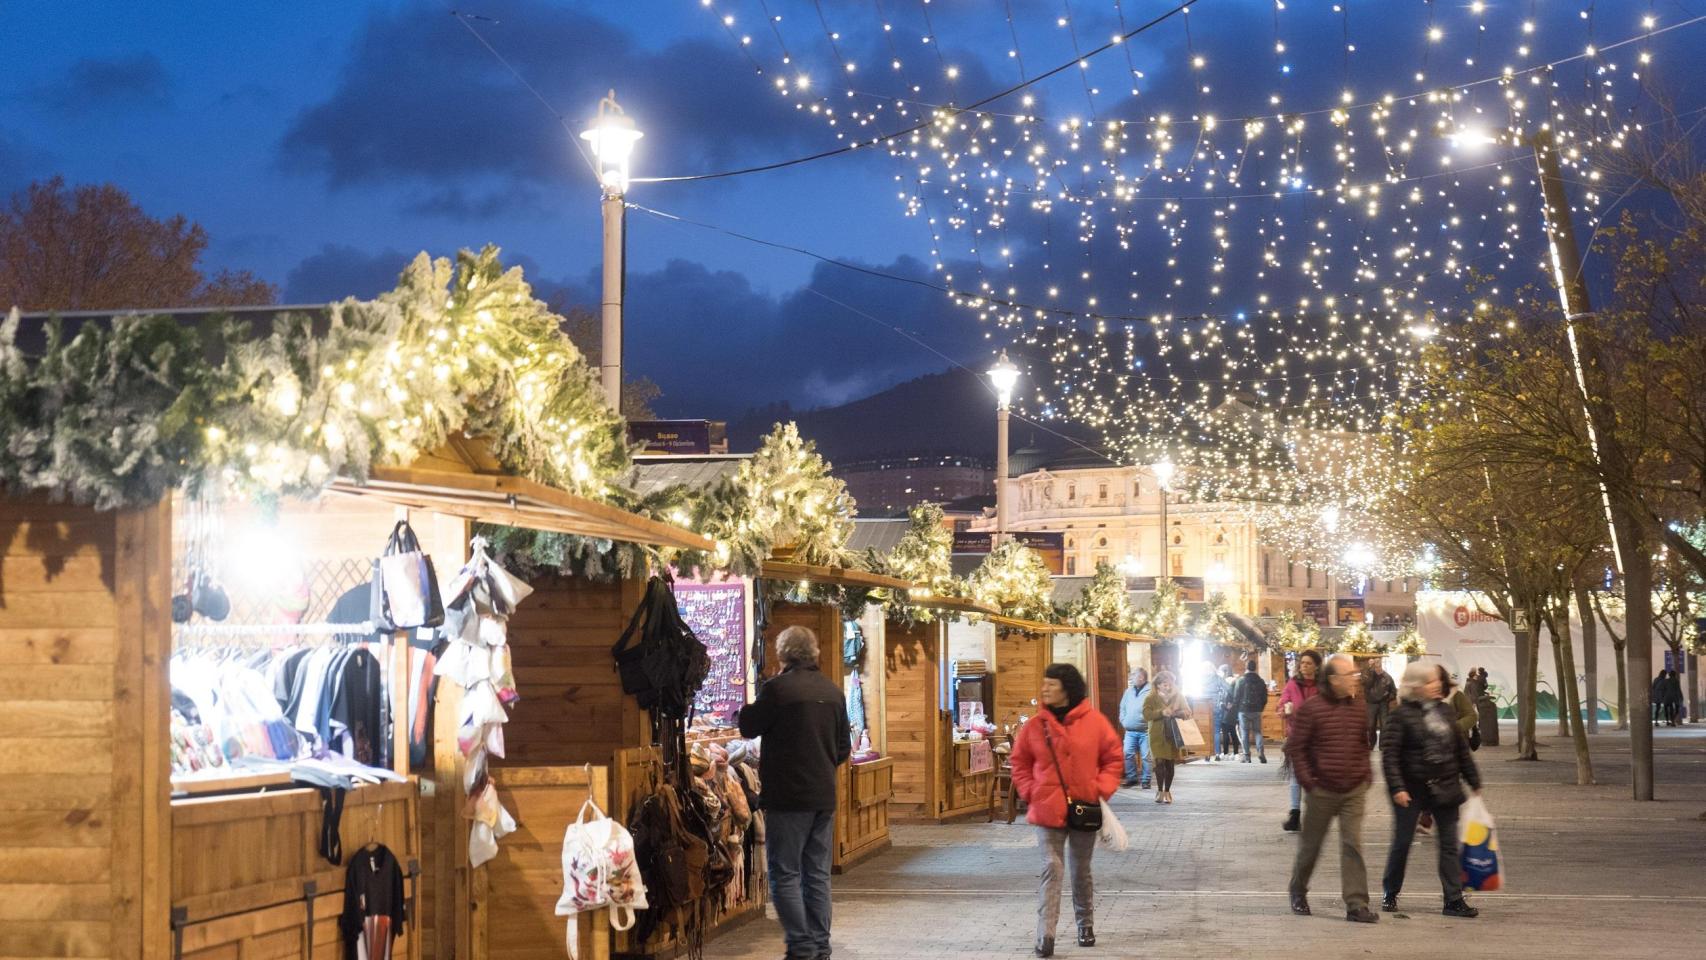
1425 761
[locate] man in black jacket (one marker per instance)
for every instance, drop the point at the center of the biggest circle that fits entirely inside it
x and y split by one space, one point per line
1249 698
802 717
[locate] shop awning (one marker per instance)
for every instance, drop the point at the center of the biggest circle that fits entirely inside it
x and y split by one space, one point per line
515 502
931 601
841 576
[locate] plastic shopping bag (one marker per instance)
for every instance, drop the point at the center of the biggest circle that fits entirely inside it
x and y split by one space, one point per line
1112 834
1483 867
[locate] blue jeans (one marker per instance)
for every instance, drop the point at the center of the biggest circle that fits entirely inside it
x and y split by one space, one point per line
1250 728
1136 745
1214 748
797 849
1296 794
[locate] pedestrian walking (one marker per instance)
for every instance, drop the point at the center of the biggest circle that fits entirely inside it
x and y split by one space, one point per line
1214 693
1329 755
1656 696
1426 760
1673 698
1251 698
802 716
1227 709
1136 729
1299 689
1476 685
1067 752
1164 709
1381 692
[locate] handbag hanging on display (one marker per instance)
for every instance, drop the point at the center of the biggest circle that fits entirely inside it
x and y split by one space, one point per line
1080 814
405 587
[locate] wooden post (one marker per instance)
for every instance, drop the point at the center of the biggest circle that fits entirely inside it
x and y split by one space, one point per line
446 864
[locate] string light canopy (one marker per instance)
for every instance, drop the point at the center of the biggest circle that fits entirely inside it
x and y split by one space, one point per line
1231 257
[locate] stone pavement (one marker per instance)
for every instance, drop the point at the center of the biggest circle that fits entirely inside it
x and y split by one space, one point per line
1591 874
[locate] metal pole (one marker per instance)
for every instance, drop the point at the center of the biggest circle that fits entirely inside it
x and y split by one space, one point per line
1000 474
1161 570
610 356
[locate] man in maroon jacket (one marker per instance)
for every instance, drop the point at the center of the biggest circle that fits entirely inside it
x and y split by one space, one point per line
1328 749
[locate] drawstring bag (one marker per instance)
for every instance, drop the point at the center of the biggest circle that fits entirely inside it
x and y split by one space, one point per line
1478 839
405 589
599 870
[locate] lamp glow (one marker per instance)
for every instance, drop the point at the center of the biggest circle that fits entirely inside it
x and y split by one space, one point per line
612 137
1004 376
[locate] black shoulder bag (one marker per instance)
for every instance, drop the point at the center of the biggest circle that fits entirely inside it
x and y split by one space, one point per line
1079 815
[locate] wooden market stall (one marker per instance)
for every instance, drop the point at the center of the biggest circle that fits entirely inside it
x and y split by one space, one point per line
935 776
865 789
1116 654
107 856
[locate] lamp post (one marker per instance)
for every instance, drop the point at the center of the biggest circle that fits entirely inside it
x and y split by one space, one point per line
1163 471
1004 376
612 137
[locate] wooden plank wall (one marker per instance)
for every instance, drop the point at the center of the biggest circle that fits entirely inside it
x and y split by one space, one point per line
911 677
241 863
572 708
516 893
1111 672
1019 661
84 818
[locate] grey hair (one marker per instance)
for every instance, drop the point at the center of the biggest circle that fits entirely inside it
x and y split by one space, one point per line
1415 682
797 645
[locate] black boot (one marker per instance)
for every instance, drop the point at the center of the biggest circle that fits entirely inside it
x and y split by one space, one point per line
1045 947
1389 903
1460 908
1086 935
1293 822
1300 904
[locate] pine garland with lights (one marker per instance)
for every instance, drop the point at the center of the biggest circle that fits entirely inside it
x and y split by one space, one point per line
1295 634
1166 614
1104 603
923 555
1409 642
121 415
1359 640
1014 580
1218 625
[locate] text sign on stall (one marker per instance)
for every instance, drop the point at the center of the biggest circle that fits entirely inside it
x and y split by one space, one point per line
982 757
671 436
717 614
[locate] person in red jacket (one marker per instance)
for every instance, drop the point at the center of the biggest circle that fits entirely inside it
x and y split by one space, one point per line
1068 743
1299 688
1328 750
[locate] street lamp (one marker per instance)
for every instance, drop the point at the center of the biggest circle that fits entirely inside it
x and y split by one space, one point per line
612 137
1163 470
1004 376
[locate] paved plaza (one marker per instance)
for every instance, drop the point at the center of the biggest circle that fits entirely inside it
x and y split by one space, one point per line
1592 874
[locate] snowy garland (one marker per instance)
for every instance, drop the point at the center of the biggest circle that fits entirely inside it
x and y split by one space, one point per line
1359 640
1409 642
1104 603
120 415
1166 615
1014 580
1295 634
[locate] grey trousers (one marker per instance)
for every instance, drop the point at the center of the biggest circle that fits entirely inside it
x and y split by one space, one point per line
1054 844
1320 809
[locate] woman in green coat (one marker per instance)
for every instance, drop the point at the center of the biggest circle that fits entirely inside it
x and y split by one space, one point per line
1164 709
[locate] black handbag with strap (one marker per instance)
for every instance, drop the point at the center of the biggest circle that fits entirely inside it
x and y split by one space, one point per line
1086 817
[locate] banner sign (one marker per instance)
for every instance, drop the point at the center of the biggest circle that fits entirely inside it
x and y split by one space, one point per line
1318 611
968 541
1351 611
671 436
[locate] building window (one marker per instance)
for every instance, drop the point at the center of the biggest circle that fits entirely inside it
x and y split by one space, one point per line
1048 492
1290 574
1267 565
1308 575
1178 564
1136 489
1388 586
1098 560
1070 543
1071 566
1101 541
1102 492
1071 492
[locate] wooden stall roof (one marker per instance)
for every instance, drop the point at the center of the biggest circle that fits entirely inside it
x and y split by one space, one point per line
1121 635
1032 626
954 604
515 502
843 576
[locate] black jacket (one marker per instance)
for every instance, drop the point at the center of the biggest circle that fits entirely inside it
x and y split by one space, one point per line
1422 753
802 717
1249 694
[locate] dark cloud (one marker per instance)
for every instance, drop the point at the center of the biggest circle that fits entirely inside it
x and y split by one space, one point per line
20 163
338 271
420 98
455 203
95 84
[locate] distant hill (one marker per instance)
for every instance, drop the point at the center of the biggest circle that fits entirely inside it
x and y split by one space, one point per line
952 412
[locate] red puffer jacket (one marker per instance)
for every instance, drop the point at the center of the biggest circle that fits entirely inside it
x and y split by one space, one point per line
1328 745
1089 753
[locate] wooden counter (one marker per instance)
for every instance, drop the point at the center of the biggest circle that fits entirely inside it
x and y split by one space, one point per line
862 824
966 791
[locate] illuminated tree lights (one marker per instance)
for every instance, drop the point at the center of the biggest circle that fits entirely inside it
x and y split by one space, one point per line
1104 602
1014 580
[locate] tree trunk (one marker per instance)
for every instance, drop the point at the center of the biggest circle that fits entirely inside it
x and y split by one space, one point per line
1638 601
1570 700
1590 656
1693 688
1622 687
1528 674
1562 680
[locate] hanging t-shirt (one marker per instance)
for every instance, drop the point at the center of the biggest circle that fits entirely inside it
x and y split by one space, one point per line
373 904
